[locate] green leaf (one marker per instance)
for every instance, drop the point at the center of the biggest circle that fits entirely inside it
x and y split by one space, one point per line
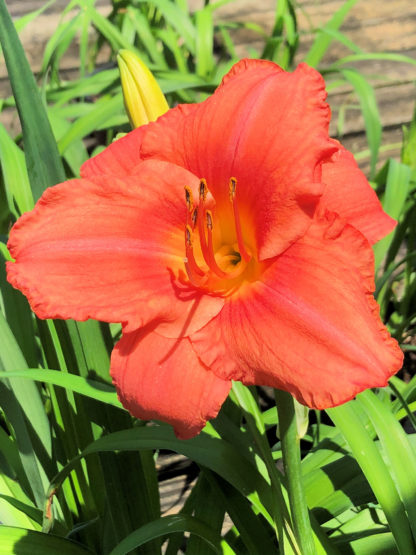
19 316
109 31
255 533
213 453
21 23
42 158
348 420
324 38
397 187
368 103
343 39
93 86
209 509
178 20
371 544
103 109
168 525
59 42
364 56
78 384
13 511
15 175
19 541
204 41
397 450
76 153
145 34
23 399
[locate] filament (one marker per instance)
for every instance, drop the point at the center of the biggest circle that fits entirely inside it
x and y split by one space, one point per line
233 198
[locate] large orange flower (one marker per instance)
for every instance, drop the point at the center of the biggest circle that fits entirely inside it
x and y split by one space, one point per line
232 239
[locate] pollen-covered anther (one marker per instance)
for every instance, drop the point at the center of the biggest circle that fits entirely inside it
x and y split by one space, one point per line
188 236
203 190
189 198
233 198
194 217
232 187
209 219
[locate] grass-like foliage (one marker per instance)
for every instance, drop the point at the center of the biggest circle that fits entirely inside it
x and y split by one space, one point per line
79 475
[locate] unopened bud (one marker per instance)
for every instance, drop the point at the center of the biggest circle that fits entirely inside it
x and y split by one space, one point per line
143 98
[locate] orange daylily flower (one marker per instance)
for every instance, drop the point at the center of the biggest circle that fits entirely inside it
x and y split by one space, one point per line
232 239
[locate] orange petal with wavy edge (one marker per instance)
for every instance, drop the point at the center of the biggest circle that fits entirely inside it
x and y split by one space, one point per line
349 194
111 249
309 325
120 158
163 379
268 129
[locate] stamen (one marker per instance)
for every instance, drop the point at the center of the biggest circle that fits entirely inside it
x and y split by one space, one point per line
241 247
192 269
188 236
211 257
232 186
203 191
189 198
194 217
201 217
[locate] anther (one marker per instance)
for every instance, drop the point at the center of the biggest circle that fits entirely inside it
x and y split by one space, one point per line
203 190
232 187
188 236
194 217
189 198
209 219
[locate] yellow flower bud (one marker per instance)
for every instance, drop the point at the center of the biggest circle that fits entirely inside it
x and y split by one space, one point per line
143 99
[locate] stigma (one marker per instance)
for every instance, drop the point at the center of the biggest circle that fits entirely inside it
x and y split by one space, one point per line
205 266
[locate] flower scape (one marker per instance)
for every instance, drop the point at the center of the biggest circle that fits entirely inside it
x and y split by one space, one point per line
232 240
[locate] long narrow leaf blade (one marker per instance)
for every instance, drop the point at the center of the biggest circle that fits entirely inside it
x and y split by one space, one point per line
28 542
348 421
78 384
323 39
168 525
42 157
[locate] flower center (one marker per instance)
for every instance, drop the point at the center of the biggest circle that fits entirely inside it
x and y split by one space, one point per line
210 264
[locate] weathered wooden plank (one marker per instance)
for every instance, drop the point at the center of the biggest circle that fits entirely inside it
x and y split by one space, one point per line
395 102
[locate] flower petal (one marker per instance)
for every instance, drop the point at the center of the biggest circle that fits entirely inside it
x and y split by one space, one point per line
163 379
349 194
111 249
310 325
120 158
265 127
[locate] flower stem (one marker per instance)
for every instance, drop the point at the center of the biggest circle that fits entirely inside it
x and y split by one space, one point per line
291 462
